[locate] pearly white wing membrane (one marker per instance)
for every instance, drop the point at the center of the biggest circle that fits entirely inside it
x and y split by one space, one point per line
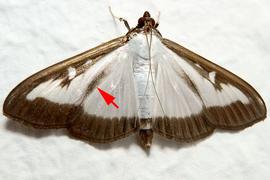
113 73
178 97
118 81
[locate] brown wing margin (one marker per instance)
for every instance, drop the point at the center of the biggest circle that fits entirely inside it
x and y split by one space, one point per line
232 117
41 113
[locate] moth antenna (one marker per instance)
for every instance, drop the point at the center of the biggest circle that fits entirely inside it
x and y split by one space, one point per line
149 44
157 20
120 19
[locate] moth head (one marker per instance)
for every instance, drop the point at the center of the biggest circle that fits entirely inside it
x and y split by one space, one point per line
146 22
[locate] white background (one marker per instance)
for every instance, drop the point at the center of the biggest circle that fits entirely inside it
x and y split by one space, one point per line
35 34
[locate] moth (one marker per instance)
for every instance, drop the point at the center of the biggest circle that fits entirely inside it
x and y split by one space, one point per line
159 86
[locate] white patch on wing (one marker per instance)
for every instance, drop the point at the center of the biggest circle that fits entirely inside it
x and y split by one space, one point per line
212 77
90 61
71 73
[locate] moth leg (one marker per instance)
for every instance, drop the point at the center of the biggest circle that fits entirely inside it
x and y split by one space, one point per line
120 19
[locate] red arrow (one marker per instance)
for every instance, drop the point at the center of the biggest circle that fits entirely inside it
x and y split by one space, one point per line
109 99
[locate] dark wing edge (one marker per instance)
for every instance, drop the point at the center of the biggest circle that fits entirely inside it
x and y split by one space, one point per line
187 129
43 114
235 116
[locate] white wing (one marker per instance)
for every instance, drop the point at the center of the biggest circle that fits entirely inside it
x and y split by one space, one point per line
191 96
185 89
112 73
66 95
195 97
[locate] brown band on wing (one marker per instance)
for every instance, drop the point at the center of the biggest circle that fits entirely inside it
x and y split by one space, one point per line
183 129
102 130
235 116
94 83
41 113
192 85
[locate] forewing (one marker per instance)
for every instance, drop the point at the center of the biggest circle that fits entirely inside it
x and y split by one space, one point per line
197 96
65 95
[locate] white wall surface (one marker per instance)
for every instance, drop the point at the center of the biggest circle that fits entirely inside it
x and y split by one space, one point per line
35 34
